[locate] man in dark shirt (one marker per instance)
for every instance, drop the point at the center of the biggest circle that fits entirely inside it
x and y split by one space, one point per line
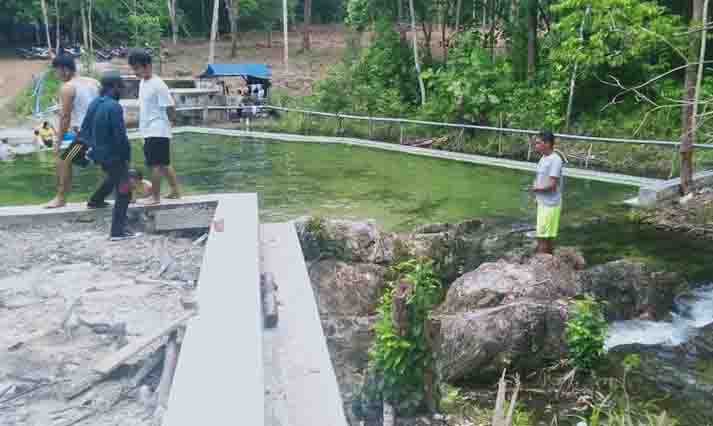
104 132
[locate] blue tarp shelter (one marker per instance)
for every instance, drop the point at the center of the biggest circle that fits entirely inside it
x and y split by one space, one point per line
256 71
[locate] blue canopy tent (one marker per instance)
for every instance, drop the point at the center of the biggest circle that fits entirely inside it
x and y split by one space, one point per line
256 71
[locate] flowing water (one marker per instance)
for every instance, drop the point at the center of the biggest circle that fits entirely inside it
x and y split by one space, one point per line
691 312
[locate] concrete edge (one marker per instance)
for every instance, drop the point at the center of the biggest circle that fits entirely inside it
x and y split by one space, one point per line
650 195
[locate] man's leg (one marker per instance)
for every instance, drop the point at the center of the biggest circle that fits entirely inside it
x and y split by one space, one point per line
120 175
64 175
170 174
107 186
156 183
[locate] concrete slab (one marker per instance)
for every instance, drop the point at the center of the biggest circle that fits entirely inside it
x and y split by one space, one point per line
34 214
650 195
219 377
313 396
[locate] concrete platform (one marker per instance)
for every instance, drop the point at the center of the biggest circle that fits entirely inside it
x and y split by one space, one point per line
37 214
313 397
219 378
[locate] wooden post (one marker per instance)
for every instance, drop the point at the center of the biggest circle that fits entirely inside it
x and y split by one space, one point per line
431 379
371 130
399 308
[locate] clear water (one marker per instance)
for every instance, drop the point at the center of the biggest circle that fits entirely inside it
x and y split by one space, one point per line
398 191
691 313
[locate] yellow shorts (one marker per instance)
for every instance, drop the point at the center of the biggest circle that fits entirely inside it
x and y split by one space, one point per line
548 221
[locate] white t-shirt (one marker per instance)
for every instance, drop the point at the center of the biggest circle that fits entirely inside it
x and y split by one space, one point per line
549 166
154 99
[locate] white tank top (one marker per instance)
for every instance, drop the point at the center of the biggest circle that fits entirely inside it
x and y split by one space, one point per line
85 91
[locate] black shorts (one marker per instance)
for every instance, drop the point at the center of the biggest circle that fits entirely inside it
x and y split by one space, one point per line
157 151
47 142
76 153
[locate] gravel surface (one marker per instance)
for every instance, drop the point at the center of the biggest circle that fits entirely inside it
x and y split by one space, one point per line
69 297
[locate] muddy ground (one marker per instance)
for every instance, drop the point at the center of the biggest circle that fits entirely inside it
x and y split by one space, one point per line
69 298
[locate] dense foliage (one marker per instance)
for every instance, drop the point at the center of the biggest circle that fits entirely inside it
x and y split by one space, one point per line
586 333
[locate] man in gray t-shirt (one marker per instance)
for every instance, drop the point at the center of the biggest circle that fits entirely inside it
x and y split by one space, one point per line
548 192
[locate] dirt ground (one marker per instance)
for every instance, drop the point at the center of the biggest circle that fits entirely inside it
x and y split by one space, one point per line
15 74
69 298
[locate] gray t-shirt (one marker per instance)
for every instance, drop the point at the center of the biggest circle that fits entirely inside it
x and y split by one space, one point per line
549 166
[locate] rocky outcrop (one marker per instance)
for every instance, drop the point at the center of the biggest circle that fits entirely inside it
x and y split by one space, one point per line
632 289
344 289
506 315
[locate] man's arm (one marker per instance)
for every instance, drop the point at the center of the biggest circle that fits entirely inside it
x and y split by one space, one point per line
66 96
551 186
119 135
171 111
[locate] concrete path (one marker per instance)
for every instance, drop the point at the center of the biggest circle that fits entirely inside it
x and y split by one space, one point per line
19 215
313 396
219 377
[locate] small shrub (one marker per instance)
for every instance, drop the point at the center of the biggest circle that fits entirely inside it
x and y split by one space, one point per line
401 360
586 333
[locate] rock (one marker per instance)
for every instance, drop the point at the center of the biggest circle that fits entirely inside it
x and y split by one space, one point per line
523 335
632 289
492 284
343 289
361 242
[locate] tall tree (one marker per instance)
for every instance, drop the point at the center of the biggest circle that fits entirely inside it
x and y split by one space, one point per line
174 23
694 74
233 7
532 21
306 41
286 35
57 31
214 31
459 8
47 23
417 61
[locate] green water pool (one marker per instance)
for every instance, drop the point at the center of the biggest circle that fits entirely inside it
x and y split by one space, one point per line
398 191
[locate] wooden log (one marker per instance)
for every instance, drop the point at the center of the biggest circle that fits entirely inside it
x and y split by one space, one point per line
108 364
431 382
169 368
399 308
269 299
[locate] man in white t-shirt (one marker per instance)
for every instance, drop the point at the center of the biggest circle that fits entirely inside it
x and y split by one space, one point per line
548 191
156 112
5 153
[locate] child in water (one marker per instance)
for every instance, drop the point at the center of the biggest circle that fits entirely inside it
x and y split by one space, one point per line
138 185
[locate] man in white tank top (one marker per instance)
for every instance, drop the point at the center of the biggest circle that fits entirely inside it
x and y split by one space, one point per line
75 96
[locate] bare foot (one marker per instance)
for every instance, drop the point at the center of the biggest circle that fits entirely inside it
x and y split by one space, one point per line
55 204
173 196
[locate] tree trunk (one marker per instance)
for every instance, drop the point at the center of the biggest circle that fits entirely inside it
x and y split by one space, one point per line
400 10
306 42
532 20
213 31
47 23
459 7
83 14
286 35
444 32
689 98
58 42
174 24
414 34
90 18
233 10
573 80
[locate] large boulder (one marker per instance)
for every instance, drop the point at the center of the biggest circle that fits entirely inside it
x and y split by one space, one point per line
506 315
543 277
632 289
524 335
344 289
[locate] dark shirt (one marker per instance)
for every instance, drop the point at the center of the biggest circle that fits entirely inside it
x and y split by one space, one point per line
104 131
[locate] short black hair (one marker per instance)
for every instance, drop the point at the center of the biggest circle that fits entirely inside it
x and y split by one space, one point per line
136 174
64 61
547 137
139 57
45 124
37 132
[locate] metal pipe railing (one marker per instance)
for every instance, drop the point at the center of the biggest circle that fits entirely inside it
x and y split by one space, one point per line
401 121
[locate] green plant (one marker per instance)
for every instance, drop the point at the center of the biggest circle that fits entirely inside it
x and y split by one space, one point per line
402 359
586 333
